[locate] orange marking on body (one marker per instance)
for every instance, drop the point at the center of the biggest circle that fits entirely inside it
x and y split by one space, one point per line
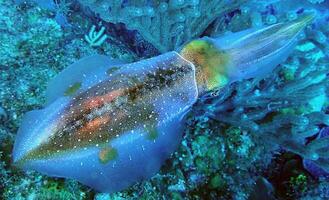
94 124
98 101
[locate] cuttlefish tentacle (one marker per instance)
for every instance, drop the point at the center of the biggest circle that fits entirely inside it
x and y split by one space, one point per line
109 124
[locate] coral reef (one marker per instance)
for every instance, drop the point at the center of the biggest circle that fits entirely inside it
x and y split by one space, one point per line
166 25
34 48
252 130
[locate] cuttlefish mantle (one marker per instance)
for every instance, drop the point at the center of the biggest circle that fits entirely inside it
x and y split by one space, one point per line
109 124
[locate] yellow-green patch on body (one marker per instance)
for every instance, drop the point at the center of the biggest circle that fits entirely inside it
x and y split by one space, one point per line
72 89
112 70
152 133
211 62
107 154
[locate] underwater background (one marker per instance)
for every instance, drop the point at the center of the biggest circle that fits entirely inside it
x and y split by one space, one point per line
257 139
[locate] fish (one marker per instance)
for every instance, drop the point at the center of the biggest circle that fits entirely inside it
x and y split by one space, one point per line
109 124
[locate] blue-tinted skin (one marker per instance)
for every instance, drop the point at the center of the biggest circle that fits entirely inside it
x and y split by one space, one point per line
139 154
169 97
138 158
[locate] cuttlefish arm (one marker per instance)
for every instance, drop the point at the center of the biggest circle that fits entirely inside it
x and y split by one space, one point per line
247 54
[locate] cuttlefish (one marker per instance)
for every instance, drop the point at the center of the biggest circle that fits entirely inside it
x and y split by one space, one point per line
109 124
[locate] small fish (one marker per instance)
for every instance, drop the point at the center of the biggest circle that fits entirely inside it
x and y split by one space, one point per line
109 124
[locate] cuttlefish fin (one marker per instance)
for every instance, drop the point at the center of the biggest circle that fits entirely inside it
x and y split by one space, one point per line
30 134
80 76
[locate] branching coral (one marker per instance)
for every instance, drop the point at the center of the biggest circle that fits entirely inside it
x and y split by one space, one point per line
95 38
165 24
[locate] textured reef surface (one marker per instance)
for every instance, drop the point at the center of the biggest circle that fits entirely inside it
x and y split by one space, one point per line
260 138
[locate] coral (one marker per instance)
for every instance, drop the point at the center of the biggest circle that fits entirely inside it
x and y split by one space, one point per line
9 44
210 153
53 190
287 107
165 24
220 155
62 6
34 48
317 191
316 1
95 38
299 183
277 109
3 114
255 13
